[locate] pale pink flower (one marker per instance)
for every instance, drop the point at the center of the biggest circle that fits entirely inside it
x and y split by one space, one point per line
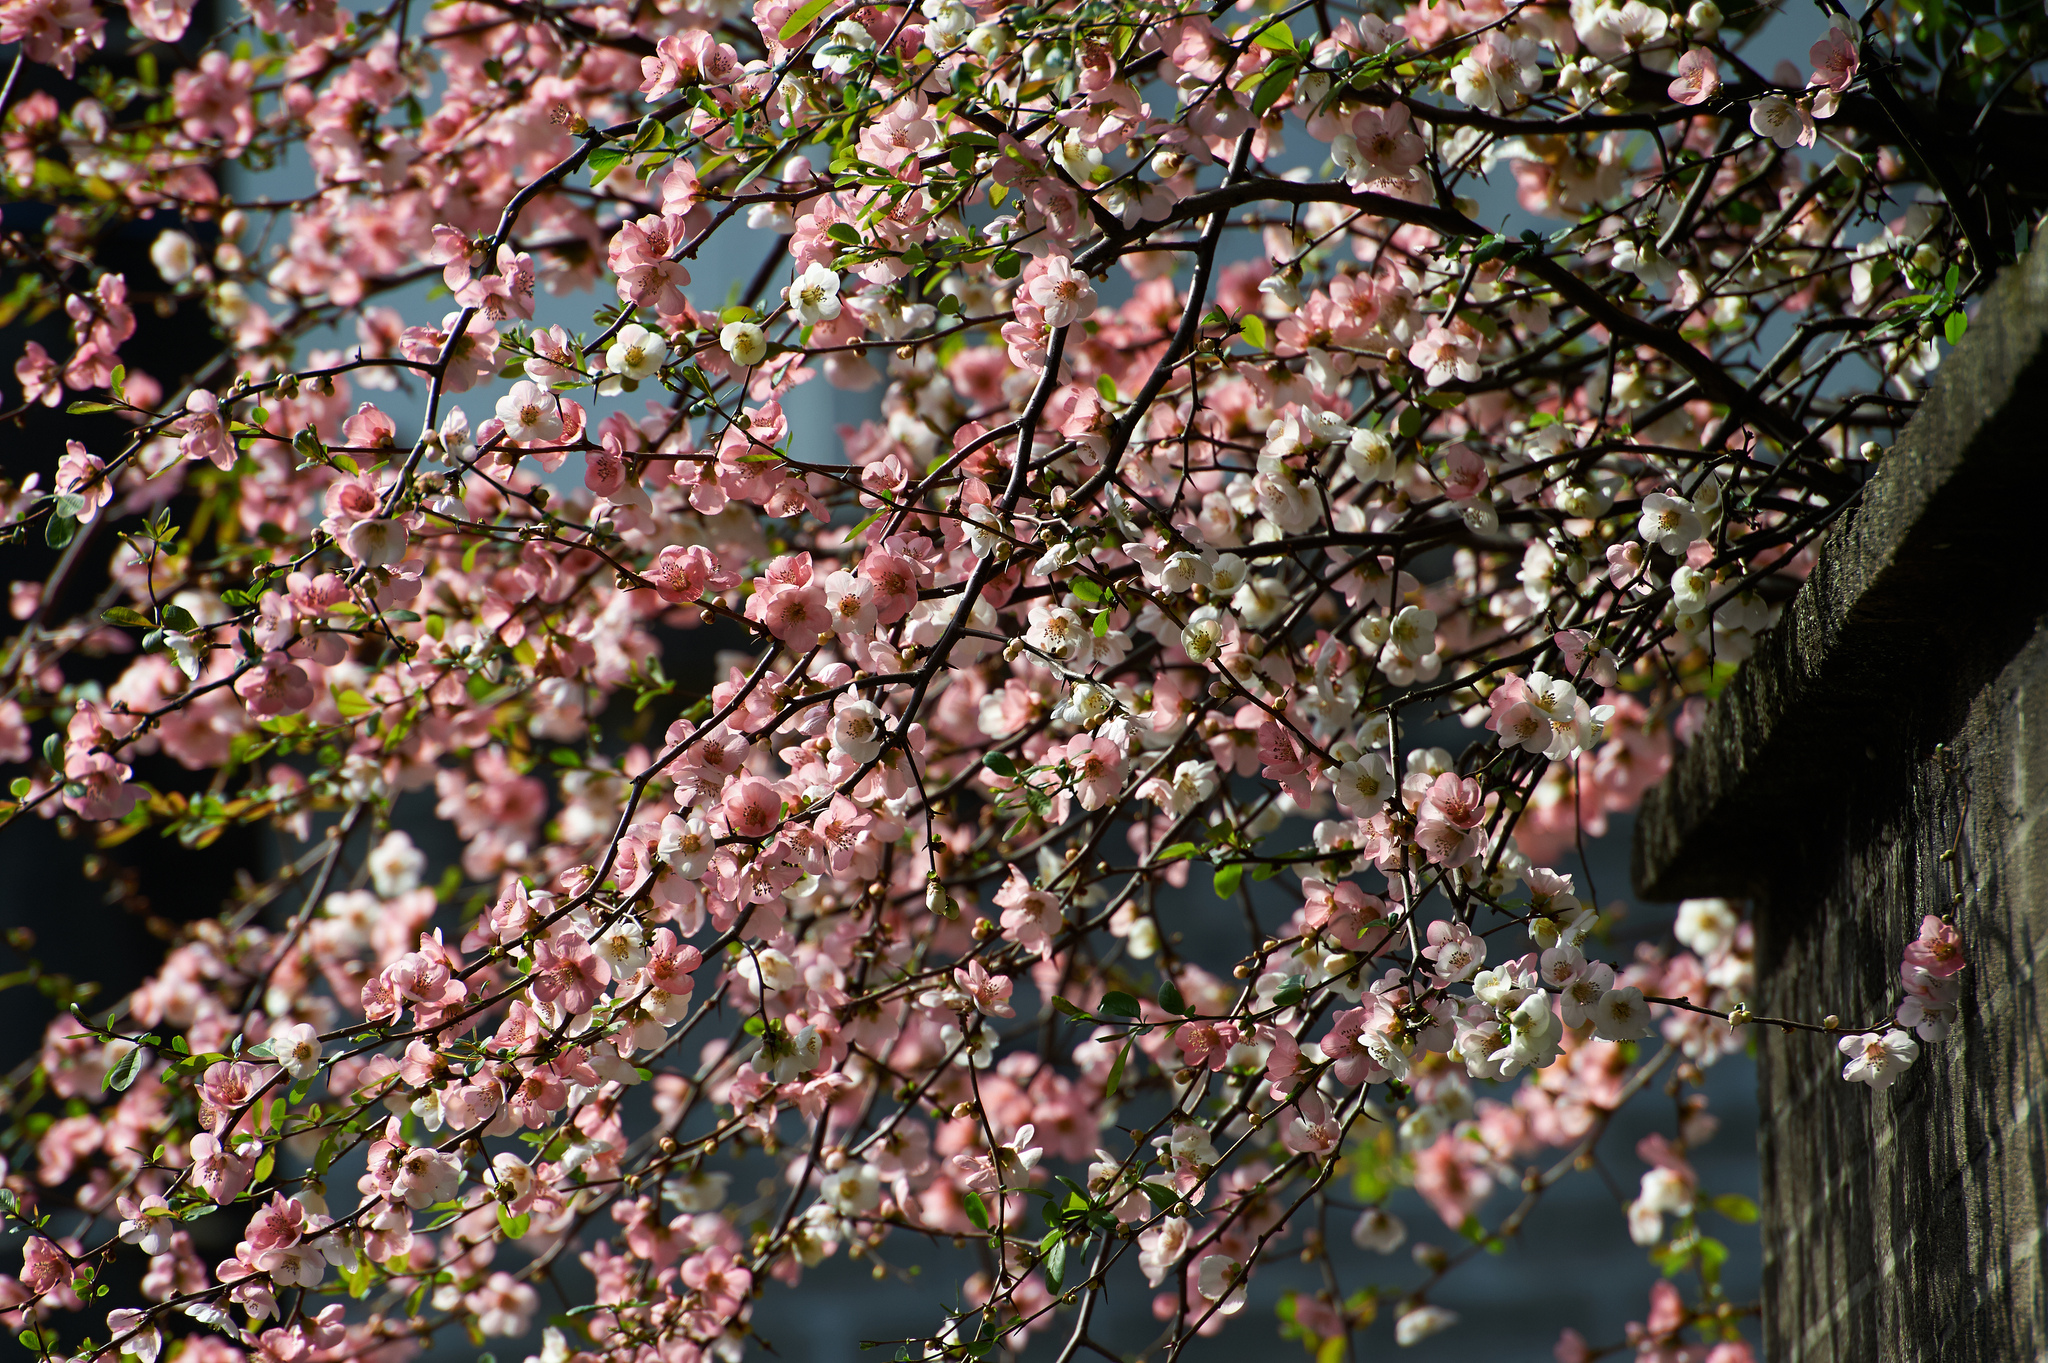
1696 78
1063 293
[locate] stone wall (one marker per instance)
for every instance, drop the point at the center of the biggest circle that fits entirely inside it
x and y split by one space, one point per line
1900 713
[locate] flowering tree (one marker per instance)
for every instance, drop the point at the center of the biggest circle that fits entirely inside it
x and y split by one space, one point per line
1252 508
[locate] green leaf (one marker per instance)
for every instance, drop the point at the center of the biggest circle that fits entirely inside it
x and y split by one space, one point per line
58 531
1085 590
1106 386
603 161
1066 1007
1276 37
21 787
1177 852
1291 992
845 233
1957 323
1170 999
515 1227
1119 1004
1001 765
353 703
124 1071
1276 84
1056 1262
1227 878
123 615
1116 1069
1163 1198
977 1211
1736 1207
1254 329
801 20
87 408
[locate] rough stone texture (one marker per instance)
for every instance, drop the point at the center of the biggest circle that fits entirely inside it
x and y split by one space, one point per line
1900 709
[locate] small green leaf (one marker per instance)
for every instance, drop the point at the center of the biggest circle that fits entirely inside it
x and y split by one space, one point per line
1276 84
1085 590
801 20
1227 878
977 1211
1254 329
1119 1004
58 531
1163 1198
1170 999
124 1071
1276 37
1056 1262
1957 323
845 233
1106 386
515 1227
603 161
1116 1069
1736 1207
1177 852
1066 1007
124 615
1001 765
1291 992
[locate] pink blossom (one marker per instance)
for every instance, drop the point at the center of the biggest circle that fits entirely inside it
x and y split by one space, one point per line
38 375
83 476
1696 78
278 686
1063 293
568 973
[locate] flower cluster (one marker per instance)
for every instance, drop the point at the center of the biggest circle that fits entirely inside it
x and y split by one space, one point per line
1141 768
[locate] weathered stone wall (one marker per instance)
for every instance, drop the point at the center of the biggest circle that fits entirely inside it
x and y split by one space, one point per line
1900 710
1906 1225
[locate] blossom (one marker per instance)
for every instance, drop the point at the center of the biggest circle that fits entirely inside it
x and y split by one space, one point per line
1696 78
568 973
1062 292
1378 1230
1446 353
858 730
531 414
745 342
1670 523
1877 1060
814 294
635 353
297 1047
1835 60
83 476
1418 1323
1784 121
